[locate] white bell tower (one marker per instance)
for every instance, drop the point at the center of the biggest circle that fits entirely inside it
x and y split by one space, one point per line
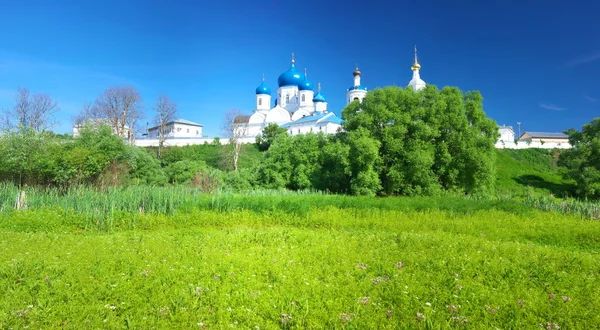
416 82
357 92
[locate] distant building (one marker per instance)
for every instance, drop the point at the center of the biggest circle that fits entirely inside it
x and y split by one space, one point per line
544 137
178 128
507 136
507 133
99 121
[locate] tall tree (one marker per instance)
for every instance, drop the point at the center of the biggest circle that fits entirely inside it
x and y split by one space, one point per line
88 112
235 128
43 108
582 161
166 110
33 112
121 108
429 140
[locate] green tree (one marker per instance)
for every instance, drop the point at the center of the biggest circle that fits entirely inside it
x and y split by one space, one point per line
428 140
292 162
363 160
268 136
334 160
582 161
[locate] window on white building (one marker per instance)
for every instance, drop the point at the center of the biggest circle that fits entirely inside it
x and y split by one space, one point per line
178 129
311 129
303 98
188 130
287 98
356 99
197 132
259 101
320 128
298 131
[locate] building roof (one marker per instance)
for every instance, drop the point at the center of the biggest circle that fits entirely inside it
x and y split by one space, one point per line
544 135
263 89
242 119
187 122
506 127
316 118
178 121
291 77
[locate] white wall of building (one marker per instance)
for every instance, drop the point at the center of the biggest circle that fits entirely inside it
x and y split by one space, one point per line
524 145
507 134
177 130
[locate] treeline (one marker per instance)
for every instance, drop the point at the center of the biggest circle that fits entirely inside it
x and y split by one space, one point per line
97 157
395 142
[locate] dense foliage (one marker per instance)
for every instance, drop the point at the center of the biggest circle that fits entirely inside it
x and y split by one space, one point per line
428 141
43 158
98 157
582 162
396 142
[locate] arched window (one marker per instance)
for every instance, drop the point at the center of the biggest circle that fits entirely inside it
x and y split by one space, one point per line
287 98
303 98
259 101
298 131
356 99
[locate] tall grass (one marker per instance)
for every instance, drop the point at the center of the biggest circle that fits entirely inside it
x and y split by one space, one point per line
167 200
101 207
587 209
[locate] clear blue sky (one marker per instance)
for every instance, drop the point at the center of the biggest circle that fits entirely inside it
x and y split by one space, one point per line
537 62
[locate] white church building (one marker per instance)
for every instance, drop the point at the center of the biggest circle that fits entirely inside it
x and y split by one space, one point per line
299 109
295 105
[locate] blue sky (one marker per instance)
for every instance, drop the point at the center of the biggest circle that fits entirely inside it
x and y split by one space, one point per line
536 62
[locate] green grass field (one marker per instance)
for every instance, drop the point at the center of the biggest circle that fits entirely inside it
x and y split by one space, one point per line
273 261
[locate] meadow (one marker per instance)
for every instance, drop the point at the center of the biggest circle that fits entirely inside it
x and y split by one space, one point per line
170 258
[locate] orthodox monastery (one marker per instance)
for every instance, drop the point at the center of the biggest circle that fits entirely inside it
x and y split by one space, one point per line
299 109
302 109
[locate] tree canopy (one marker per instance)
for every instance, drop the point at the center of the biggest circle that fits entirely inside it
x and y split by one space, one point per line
429 140
582 161
395 142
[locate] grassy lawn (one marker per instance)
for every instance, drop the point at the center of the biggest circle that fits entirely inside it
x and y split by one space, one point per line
350 263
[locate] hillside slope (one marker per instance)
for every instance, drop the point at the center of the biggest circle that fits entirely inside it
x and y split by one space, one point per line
523 171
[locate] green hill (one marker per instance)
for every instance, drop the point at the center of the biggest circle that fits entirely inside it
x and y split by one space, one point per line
530 170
